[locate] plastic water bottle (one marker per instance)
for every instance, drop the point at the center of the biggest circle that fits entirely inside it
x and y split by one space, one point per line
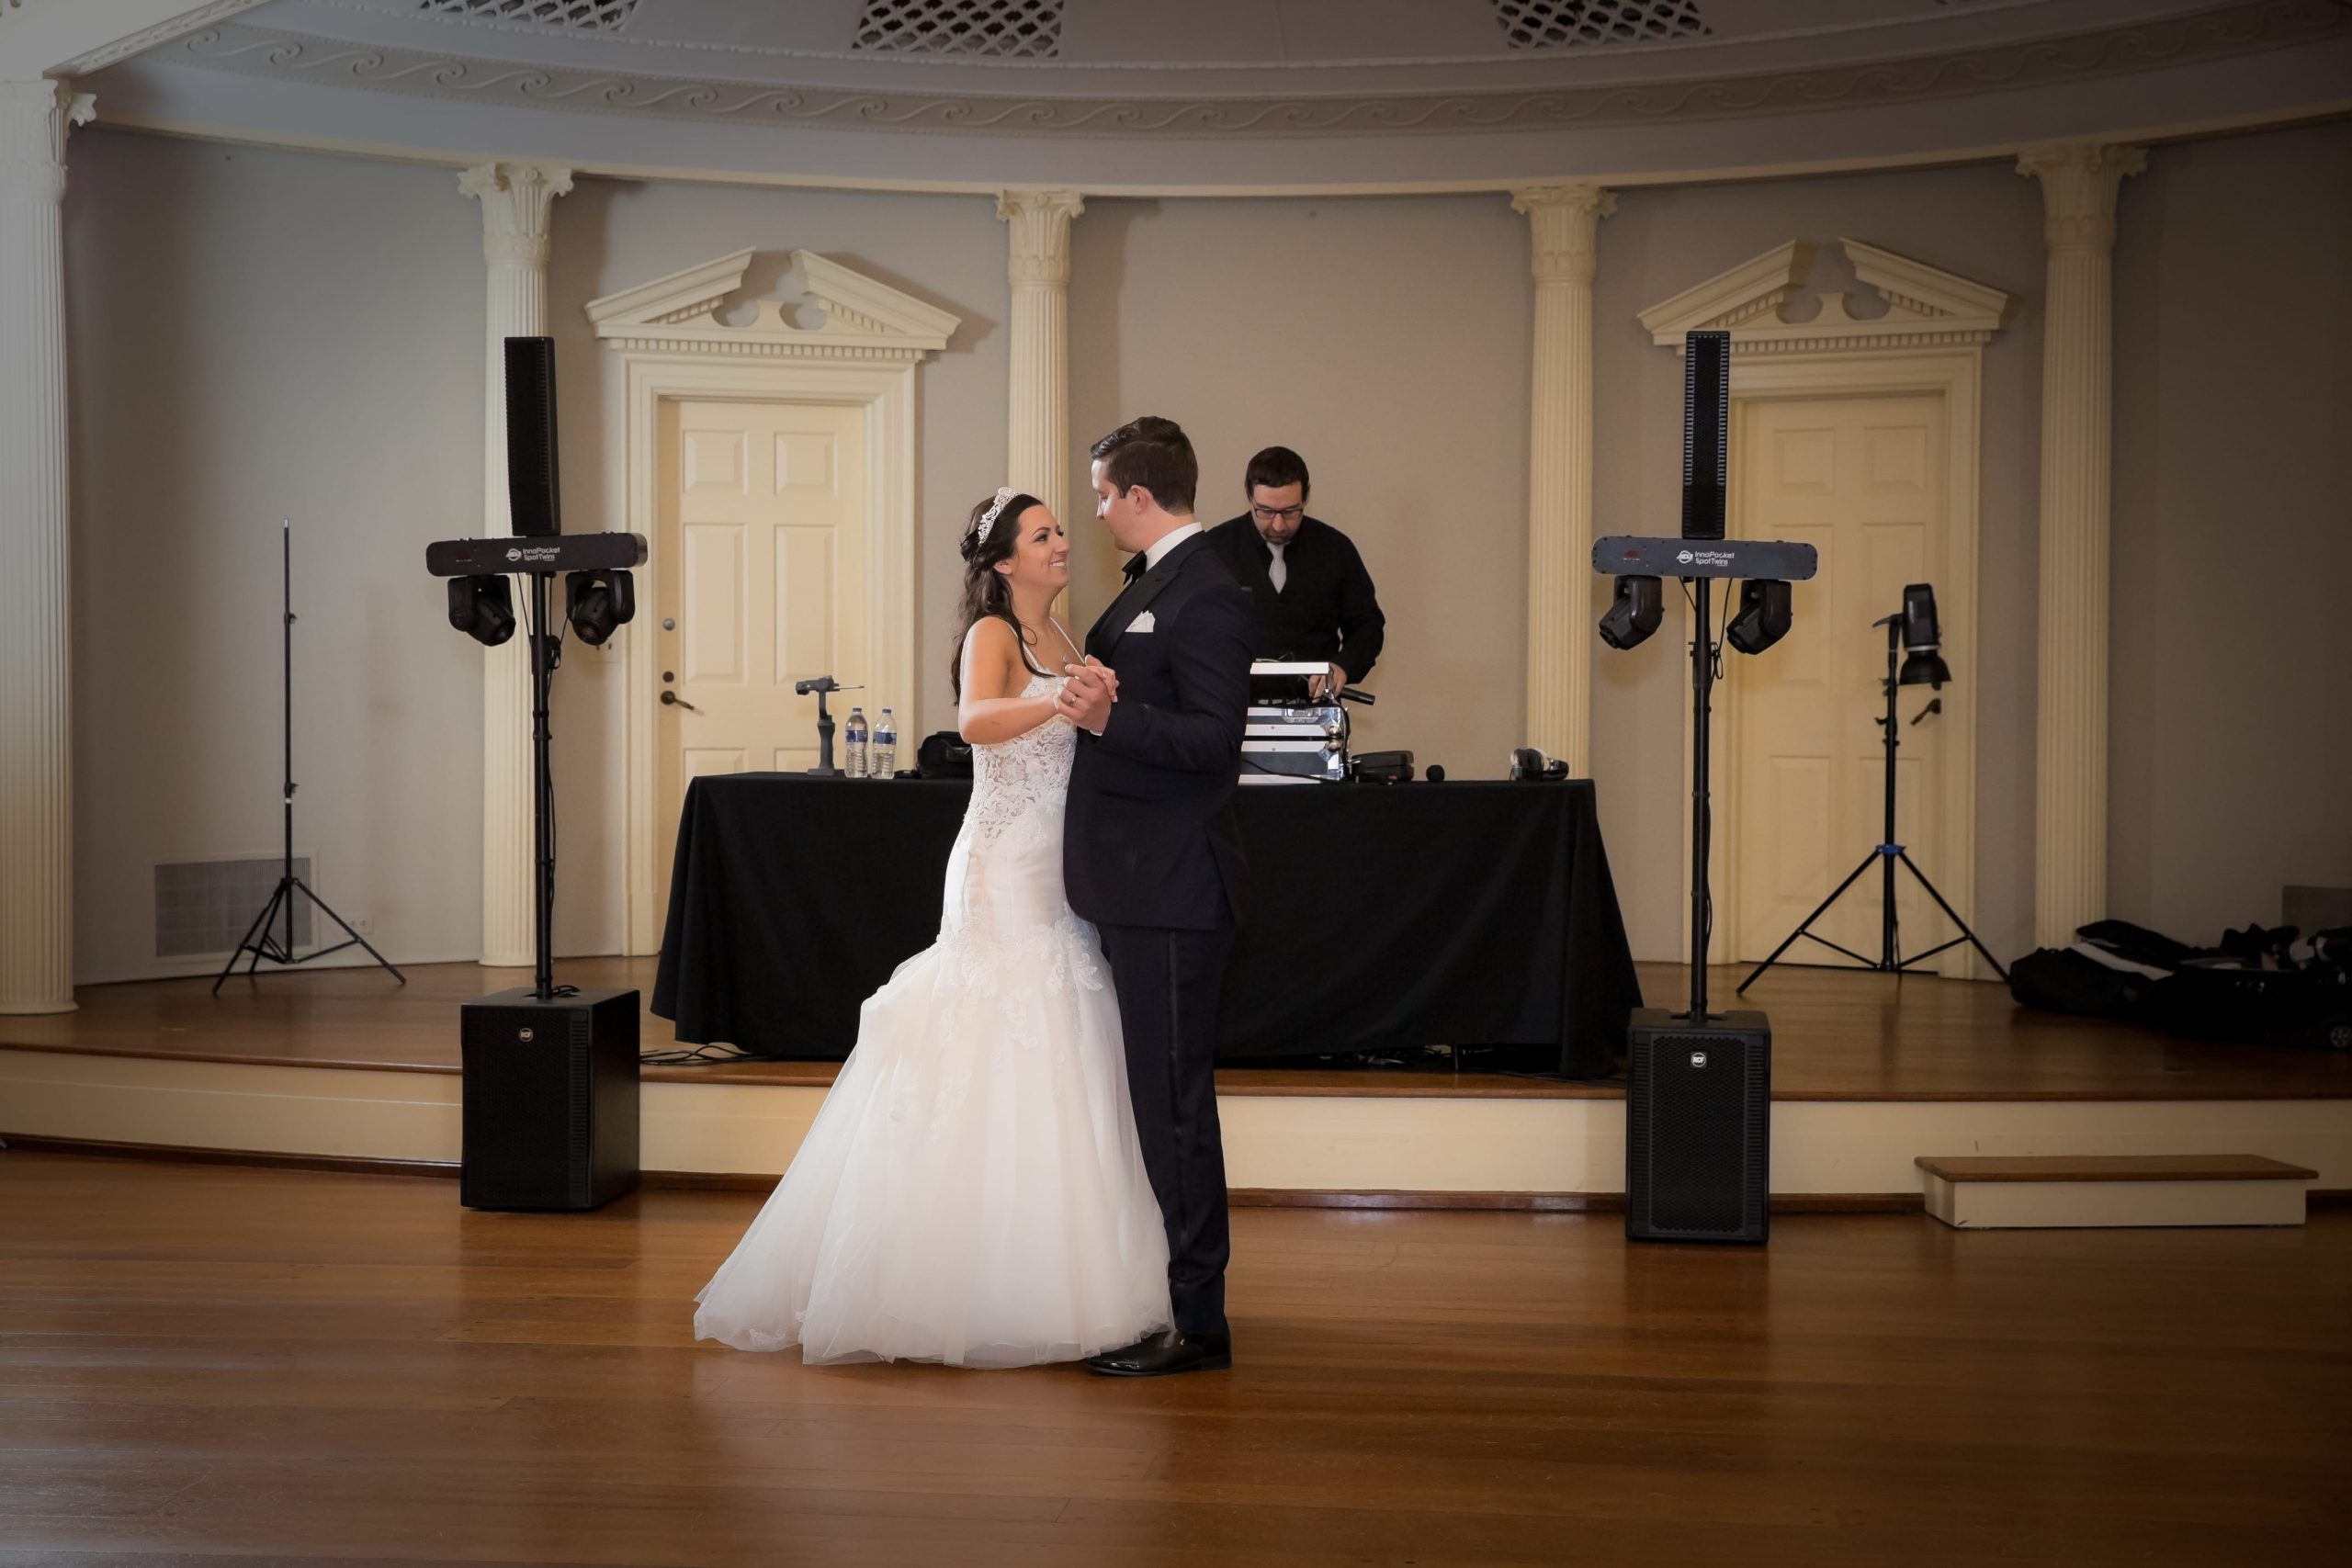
885 745
854 744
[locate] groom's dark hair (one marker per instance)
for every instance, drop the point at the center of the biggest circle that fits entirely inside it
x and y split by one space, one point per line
1156 454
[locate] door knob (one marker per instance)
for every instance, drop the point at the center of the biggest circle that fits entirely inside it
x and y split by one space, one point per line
672 699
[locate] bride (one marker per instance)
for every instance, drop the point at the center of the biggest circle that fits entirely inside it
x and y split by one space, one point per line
972 1191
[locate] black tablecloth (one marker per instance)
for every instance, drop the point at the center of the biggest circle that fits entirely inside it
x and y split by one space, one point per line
1381 917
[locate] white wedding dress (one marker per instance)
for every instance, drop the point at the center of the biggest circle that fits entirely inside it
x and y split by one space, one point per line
971 1190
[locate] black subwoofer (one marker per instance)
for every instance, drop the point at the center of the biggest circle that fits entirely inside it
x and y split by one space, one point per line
1698 1127
550 1099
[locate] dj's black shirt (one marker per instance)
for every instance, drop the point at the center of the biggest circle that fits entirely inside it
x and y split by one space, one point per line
1326 610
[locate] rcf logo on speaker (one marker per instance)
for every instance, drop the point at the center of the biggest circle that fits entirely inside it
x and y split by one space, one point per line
1698 1058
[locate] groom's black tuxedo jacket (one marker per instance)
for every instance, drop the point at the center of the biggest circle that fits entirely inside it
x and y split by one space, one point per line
1149 837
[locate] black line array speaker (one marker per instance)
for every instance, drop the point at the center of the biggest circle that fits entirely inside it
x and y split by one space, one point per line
530 436
1698 1127
1706 432
550 1099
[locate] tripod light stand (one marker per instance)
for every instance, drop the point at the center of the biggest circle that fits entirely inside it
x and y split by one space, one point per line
1912 635
261 937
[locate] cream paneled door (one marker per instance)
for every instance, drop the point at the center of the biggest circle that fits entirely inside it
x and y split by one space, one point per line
762 554
1863 481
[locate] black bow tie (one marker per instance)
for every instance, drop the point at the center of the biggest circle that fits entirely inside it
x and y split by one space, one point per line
1135 563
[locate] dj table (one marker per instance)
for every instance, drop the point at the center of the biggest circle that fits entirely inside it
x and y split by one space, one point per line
1381 917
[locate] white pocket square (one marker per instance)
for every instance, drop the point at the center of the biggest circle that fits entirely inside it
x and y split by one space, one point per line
1142 623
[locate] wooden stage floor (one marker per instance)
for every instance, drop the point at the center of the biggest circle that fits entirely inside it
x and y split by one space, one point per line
1836 1036
213 1364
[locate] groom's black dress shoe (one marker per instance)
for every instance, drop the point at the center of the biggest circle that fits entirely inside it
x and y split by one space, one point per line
1165 1352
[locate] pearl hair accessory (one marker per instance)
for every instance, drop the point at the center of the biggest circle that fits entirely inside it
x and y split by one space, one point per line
988 518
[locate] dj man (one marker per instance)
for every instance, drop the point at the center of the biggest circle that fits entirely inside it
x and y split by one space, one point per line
1313 597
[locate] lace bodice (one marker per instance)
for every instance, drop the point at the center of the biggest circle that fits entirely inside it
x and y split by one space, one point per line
1019 779
1004 912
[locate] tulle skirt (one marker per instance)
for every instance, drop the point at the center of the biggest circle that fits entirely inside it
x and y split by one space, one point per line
971 1190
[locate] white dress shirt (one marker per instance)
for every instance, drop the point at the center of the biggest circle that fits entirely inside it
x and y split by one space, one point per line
1158 549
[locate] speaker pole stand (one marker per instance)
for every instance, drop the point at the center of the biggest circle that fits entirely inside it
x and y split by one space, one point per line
1703 686
261 936
543 656
1884 856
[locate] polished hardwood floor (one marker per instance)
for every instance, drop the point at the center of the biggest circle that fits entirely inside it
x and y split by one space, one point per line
202 1363
1837 1035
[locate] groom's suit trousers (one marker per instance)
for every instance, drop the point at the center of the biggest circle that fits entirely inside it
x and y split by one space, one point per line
1168 983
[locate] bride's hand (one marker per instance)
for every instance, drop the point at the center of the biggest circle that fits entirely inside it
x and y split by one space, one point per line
1095 669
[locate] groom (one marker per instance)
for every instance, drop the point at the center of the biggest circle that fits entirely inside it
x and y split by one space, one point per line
1152 856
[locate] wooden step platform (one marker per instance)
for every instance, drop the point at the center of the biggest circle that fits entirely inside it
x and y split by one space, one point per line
2020 1191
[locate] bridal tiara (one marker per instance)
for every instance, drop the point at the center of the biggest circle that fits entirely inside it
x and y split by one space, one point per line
988 518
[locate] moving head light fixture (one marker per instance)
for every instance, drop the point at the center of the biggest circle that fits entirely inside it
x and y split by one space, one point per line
597 604
484 608
1639 608
1764 615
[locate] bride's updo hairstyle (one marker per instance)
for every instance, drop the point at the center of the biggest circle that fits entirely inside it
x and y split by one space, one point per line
988 592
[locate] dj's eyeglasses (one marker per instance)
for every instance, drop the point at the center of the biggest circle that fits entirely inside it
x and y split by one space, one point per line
1278 513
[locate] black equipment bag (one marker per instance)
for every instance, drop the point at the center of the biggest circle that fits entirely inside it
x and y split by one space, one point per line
943 755
2266 1007
2252 988
2063 980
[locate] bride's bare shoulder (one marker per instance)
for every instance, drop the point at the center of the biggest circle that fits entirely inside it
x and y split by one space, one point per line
991 653
990 638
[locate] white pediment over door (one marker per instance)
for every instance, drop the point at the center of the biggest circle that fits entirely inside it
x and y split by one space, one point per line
1926 305
865 320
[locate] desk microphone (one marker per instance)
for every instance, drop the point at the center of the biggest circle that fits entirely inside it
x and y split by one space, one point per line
1436 774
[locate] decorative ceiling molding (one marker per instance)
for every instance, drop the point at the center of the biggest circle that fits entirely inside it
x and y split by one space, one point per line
2247 27
865 320
1926 305
67 39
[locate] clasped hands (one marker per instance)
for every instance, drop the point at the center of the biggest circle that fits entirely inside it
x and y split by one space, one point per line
1086 697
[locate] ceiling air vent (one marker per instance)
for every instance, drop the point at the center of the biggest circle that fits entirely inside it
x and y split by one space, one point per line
1580 24
571 16
1029 29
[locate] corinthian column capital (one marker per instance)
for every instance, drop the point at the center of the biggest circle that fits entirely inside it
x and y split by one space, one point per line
1040 221
1564 220
2079 180
516 200
34 119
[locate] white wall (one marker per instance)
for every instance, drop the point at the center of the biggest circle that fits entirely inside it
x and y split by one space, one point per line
257 336
1386 341
2232 714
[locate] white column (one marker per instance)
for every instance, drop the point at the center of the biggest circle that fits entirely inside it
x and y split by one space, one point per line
1563 221
35 676
2078 189
1037 400
516 200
